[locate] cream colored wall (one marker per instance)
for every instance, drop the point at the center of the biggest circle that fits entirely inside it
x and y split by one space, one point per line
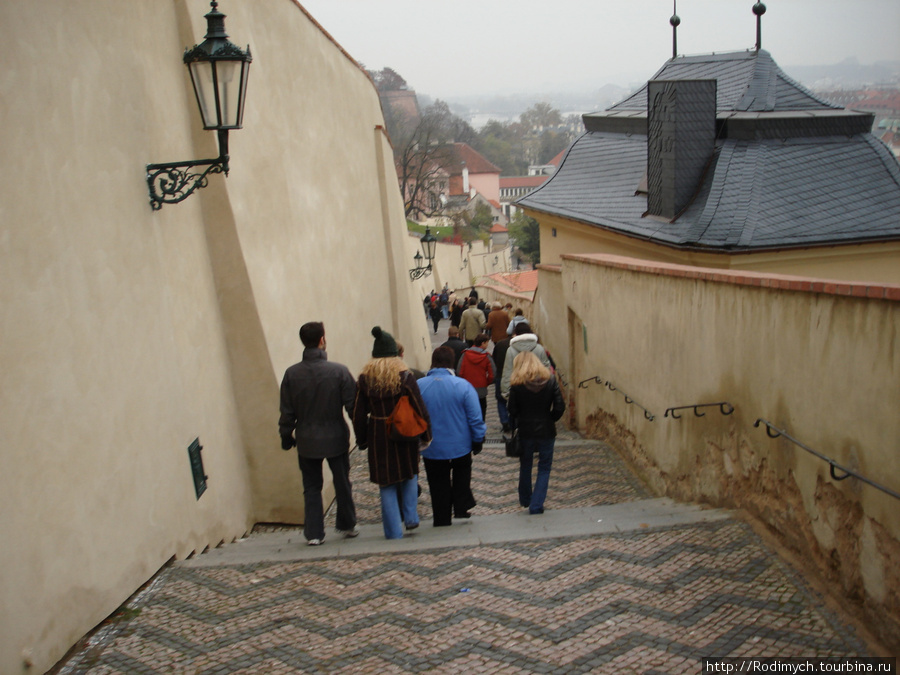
879 263
127 333
550 320
484 263
823 367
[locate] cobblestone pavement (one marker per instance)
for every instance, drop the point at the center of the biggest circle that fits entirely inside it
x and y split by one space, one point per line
651 600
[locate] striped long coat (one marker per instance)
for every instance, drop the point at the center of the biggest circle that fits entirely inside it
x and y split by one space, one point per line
389 461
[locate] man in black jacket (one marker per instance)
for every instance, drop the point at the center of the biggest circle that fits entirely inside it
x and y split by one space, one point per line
313 394
455 343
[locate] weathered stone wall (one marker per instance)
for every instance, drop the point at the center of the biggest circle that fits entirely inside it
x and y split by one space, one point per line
818 360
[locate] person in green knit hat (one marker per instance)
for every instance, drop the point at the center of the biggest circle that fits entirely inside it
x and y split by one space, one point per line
393 465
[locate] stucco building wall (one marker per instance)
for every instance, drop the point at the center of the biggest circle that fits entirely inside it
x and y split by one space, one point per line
815 358
875 262
128 333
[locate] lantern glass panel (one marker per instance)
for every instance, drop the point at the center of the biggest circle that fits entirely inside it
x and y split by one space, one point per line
202 78
429 243
229 84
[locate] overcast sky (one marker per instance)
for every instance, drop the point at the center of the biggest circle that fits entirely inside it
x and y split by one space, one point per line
460 47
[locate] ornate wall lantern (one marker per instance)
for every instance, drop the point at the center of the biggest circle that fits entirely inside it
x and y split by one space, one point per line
429 243
465 261
219 72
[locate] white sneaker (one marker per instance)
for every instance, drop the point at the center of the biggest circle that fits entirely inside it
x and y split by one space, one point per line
315 542
350 534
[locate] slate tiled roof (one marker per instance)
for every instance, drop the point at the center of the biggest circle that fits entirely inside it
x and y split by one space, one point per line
747 82
803 178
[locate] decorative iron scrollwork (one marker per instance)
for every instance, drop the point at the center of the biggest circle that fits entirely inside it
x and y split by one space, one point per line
419 272
173 183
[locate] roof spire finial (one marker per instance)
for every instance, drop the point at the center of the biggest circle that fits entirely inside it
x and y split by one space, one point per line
759 9
675 20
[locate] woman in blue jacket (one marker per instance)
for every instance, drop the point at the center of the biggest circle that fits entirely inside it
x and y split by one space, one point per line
457 433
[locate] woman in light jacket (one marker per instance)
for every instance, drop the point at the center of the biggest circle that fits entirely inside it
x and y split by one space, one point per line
535 404
393 465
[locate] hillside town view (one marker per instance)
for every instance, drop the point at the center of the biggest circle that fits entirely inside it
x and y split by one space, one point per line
521 139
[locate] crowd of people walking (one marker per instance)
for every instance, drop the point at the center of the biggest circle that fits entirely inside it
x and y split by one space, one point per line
399 415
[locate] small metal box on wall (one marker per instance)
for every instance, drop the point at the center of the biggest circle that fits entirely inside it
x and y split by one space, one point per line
199 475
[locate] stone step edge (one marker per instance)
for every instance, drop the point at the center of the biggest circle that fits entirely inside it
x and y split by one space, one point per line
629 517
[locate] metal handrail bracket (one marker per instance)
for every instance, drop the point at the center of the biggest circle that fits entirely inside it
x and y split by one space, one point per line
774 432
599 380
724 407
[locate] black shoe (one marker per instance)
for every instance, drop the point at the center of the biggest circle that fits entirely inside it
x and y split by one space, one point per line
464 514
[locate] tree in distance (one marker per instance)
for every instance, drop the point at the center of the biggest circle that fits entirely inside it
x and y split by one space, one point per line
526 233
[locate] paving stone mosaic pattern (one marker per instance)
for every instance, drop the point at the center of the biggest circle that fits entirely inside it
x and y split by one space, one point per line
583 474
645 602
652 601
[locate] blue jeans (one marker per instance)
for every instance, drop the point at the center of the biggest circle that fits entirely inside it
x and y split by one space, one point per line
399 505
501 403
533 497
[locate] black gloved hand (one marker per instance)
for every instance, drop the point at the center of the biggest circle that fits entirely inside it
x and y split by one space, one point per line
476 446
287 442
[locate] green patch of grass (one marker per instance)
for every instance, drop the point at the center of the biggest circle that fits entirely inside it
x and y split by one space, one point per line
439 232
125 614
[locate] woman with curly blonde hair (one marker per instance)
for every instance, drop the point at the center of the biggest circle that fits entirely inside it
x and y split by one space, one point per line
393 465
535 404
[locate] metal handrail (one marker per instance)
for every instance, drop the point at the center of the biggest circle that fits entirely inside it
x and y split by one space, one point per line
831 463
599 380
649 415
724 407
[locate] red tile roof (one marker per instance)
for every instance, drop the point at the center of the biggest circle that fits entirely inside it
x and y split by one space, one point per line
475 162
518 282
522 181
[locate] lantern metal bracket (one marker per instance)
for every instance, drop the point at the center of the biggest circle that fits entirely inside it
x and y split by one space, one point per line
173 182
419 272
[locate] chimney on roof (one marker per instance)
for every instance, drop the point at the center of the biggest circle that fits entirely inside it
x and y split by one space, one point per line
681 135
465 178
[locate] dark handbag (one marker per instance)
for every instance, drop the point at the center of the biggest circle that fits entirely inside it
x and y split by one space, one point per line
513 446
404 423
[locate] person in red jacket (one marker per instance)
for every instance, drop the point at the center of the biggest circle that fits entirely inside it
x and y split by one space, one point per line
477 367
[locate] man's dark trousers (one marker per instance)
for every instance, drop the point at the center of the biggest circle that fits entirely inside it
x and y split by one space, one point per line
311 469
449 481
